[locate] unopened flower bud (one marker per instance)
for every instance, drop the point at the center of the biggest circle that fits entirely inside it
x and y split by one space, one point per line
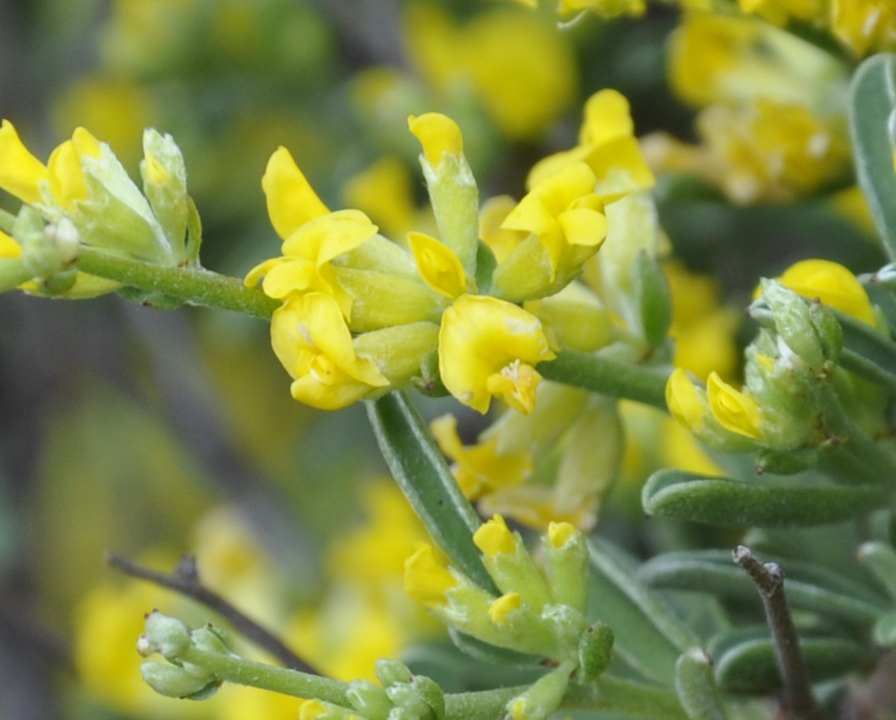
389 672
165 635
173 681
595 651
543 697
403 695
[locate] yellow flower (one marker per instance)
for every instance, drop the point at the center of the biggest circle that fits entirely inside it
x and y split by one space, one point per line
425 578
831 283
438 134
566 225
862 25
494 537
307 252
491 215
683 400
516 65
480 469
485 347
607 145
501 608
437 265
290 199
735 411
312 341
20 172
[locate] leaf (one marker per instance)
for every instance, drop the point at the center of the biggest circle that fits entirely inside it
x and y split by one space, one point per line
866 352
807 587
655 299
648 635
491 654
745 660
696 686
722 501
871 105
426 481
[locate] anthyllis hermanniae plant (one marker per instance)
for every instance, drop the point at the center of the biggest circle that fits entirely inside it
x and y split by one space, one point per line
561 309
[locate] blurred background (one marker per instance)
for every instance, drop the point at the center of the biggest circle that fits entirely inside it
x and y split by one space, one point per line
156 433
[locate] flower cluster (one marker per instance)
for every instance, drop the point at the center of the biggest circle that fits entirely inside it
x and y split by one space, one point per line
361 315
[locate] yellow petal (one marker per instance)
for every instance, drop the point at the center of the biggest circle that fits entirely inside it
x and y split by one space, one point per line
493 537
9 248
20 171
833 284
735 411
438 266
425 579
607 115
501 608
67 182
330 235
683 401
479 337
438 134
290 198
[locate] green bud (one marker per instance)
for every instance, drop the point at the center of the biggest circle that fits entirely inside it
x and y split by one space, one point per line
567 563
432 694
595 651
793 322
210 638
696 686
165 635
176 682
382 299
400 713
369 700
543 697
405 696
165 186
828 330
389 672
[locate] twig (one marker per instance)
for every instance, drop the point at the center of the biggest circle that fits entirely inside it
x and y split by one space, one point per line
799 702
185 580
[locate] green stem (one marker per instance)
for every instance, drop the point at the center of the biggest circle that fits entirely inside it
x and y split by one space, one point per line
482 705
7 220
236 669
196 286
608 377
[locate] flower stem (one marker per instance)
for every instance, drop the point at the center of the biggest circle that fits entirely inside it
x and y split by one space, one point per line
608 377
193 285
240 670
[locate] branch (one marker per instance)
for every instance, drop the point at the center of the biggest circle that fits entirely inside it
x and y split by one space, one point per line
185 580
799 702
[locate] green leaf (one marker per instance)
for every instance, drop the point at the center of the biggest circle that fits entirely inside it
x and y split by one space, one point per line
648 635
871 105
722 501
745 660
424 477
808 588
867 352
489 653
880 559
655 299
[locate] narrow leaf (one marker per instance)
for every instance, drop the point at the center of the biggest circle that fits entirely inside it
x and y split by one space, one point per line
721 501
648 635
749 665
867 352
713 572
696 686
871 105
426 481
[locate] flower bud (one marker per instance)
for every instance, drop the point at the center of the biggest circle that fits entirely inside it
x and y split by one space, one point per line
451 185
405 696
595 651
389 672
567 561
369 700
176 682
165 635
165 186
543 697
